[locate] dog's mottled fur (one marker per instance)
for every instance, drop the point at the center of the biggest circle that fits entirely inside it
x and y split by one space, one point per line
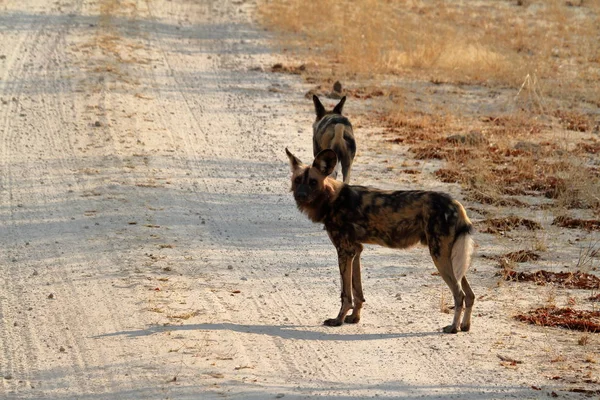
332 130
357 215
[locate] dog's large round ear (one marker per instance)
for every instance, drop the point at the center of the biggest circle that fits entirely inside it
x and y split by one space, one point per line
295 163
325 161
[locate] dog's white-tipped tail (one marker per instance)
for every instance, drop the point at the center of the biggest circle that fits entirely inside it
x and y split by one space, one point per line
338 138
461 255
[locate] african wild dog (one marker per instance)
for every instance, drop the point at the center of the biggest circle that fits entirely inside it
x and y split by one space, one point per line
357 215
331 130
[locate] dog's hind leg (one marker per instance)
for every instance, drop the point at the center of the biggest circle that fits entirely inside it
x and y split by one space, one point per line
462 251
357 291
469 301
444 266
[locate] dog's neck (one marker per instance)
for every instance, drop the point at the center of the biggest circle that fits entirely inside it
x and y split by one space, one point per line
319 207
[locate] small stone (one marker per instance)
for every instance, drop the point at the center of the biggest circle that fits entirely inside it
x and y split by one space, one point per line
51 296
337 87
528 147
97 124
62 349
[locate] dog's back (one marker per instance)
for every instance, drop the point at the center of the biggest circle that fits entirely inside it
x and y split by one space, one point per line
332 130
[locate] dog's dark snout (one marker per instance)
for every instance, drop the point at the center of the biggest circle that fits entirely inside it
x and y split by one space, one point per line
302 193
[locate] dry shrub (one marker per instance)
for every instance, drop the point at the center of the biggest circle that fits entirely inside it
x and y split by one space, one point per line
506 224
490 172
521 256
413 127
492 199
576 223
574 121
583 188
587 321
591 148
571 280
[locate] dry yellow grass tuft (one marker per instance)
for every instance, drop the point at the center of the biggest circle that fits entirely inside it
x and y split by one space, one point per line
544 46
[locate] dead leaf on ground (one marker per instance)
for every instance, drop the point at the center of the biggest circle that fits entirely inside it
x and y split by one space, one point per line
579 320
506 224
521 256
571 280
574 223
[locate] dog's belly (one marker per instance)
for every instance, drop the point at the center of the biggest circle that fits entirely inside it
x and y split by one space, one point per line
394 239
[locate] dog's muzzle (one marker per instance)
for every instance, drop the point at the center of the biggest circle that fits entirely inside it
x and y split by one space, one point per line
301 193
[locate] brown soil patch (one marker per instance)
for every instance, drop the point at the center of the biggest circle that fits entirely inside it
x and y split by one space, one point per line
587 321
571 280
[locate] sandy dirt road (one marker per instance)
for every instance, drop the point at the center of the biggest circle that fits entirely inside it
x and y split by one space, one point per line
150 248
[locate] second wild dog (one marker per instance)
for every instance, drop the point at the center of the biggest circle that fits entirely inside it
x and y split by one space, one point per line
357 215
332 130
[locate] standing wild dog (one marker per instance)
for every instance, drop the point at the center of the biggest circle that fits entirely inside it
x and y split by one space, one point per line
331 130
357 215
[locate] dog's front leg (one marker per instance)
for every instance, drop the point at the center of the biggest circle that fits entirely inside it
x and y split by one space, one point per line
357 292
345 259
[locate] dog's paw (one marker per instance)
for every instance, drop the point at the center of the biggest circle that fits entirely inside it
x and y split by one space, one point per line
332 322
465 328
351 319
450 329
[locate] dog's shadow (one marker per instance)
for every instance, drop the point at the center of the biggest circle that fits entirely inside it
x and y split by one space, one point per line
283 331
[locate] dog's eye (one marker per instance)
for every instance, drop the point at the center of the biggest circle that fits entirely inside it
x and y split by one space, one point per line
298 180
313 182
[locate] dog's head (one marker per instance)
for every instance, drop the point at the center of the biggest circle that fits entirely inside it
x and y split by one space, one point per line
310 183
320 109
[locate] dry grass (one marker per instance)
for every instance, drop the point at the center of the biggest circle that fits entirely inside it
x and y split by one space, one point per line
491 172
572 280
507 224
521 256
568 222
536 45
581 320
